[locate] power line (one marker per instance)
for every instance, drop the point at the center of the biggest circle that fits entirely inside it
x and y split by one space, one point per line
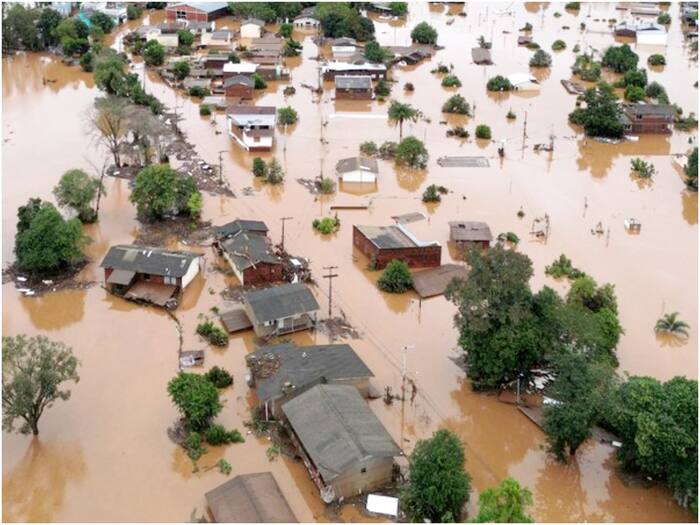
330 277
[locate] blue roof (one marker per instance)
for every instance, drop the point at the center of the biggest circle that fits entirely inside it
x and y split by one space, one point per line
208 7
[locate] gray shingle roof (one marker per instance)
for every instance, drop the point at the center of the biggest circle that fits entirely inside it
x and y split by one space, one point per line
239 79
649 109
337 429
356 163
353 82
301 366
248 249
386 236
233 227
470 231
281 301
147 259
481 55
255 21
250 498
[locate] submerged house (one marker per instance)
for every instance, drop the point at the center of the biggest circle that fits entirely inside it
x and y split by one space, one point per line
197 11
481 56
252 28
307 19
524 82
249 498
295 369
357 169
647 118
353 87
333 69
217 39
253 127
382 244
281 309
239 86
343 444
247 250
231 69
470 233
149 274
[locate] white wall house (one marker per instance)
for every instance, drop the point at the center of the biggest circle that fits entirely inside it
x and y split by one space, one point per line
252 127
252 28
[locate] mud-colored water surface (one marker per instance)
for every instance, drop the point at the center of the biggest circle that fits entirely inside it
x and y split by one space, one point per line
104 455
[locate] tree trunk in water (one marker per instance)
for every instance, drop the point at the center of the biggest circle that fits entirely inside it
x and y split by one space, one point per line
99 194
400 130
34 425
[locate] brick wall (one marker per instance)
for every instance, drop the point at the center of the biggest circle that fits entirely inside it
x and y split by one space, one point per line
353 94
262 273
416 257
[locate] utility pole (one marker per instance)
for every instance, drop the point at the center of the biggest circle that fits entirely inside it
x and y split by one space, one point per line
284 219
221 167
330 277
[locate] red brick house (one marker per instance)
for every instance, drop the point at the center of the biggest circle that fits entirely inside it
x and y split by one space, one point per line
647 118
382 244
470 233
353 87
197 11
239 86
245 246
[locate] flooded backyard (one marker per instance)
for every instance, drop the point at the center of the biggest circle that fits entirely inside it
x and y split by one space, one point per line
104 455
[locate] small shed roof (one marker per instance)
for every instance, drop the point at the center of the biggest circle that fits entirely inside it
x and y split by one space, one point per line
147 259
337 429
357 163
481 55
254 21
353 82
470 231
434 281
245 250
235 320
250 498
301 366
122 277
281 301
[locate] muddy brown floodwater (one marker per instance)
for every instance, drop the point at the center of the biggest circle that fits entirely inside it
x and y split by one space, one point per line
104 455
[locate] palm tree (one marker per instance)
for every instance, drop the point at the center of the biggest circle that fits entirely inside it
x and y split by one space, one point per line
399 112
670 323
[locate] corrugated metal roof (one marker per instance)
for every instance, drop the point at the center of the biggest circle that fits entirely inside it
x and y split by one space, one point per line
337 429
356 163
353 82
248 249
147 259
386 236
250 498
281 301
233 227
470 231
239 79
301 366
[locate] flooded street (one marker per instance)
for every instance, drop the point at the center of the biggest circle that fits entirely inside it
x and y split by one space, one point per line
104 455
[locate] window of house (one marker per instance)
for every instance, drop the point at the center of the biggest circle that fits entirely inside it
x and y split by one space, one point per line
363 470
181 15
146 277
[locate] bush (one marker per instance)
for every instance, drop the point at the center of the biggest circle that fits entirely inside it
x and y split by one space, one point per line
287 116
185 38
691 171
458 131
196 398
396 277
457 104
198 91
181 69
634 93
133 11
408 86
664 19
424 33
286 30
499 83
656 60
573 6
411 152
563 267
441 69
219 377
483 132
259 81
275 175
388 149
635 77
451 81
153 53
368 148
532 45
326 185
327 225
292 48
541 59
77 190
431 194
224 467
657 91
645 170
376 53
160 191
526 27
383 88
510 115
259 167
509 237
212 333
558 45
193 445
204 110
587 68
86 62
217 435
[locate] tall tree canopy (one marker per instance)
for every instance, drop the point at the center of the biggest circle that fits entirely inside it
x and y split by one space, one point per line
506 503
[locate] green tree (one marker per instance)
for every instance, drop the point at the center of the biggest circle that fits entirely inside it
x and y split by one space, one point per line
110 124
483 132
400 112
77 190
601 116
19 28
50 243
499 83
103 21
154 53
181 69
376 53
259 167
438 484
656 60
109 72
259 82
398 8
663 19
451 81
424 33
33 372
671 324
498 327
287 116
339 20
196 398
87 62
396 277
635 77
133 11
541 59
691 171
46 24
620 58
506 503
275 174
634 93
286 30
185 37
581 387
411 152
558 45
159 191
457 104
587 68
